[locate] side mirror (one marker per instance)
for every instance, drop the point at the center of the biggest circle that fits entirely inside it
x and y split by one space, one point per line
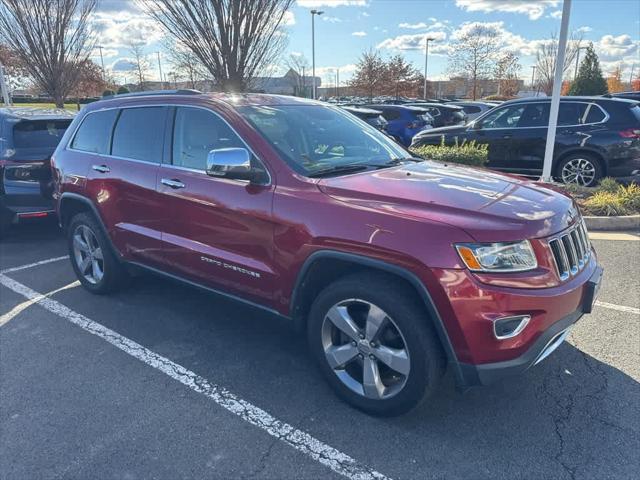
233 163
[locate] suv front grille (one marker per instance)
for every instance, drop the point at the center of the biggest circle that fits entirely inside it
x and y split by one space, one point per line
571 250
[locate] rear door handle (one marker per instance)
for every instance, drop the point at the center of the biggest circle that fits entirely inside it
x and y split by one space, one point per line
508 135
173 183
101 168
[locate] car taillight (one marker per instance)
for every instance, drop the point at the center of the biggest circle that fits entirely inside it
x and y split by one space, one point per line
630 133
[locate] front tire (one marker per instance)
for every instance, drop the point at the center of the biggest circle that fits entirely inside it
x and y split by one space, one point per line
374 344
92 257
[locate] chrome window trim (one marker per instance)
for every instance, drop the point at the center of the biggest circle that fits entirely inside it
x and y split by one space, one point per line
606 116
161 163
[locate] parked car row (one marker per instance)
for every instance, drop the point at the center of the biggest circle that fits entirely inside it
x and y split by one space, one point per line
396 268
596 137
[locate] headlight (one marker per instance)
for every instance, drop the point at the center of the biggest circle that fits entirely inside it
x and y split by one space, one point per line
498 257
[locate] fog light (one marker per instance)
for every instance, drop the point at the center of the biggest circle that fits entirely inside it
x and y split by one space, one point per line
509 327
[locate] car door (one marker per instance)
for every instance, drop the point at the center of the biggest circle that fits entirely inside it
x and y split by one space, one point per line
496 130
220 232
525 154
122 180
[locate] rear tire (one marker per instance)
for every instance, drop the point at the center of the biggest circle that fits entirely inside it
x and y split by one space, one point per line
404 338
580 168
92 257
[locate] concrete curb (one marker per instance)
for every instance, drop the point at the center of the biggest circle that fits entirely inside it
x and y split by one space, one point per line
626 222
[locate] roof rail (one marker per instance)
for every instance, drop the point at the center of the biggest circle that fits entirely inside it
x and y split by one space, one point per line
157 92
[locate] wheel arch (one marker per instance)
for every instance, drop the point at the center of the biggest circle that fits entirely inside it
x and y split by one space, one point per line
325 266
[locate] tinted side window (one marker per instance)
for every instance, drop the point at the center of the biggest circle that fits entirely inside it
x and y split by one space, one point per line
594 114
535 115
434 112
195 133
505 117
95 132
139 134
571 113
45 134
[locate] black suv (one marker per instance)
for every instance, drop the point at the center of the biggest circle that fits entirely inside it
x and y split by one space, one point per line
28 137
596 137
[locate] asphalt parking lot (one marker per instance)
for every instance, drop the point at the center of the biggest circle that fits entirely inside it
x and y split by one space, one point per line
167 382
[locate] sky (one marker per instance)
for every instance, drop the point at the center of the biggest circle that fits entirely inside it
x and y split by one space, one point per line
347 28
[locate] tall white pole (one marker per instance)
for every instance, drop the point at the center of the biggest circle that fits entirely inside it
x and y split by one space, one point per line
555 96
3 87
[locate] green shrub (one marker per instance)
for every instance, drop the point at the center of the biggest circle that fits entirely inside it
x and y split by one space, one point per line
606 204
608 184
630 197
108 93
465 153
122 90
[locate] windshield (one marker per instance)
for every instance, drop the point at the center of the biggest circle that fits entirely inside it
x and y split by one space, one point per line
315 138
41 134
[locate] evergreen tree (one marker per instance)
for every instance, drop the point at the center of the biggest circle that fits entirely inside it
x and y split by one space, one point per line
122 90
589 80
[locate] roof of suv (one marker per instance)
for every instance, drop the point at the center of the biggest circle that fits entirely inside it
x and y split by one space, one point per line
232 99
566 98
36 113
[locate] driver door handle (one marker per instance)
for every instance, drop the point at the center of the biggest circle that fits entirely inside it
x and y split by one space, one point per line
507 135
101 168
173 183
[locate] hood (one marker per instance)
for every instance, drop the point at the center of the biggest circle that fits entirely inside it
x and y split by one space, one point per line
441 131
490 207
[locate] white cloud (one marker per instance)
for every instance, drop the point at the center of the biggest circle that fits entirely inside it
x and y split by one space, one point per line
123 65
345 70
413 26
332 3
123 29
329 18
534 9
584 29
359 34
612 48
556 14
365 14
289 18
415 42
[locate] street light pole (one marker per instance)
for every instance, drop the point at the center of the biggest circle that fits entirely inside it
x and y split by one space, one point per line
160 70
533 75
99 47
575 73
313 49
426 62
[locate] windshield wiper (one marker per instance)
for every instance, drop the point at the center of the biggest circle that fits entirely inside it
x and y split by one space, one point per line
338 169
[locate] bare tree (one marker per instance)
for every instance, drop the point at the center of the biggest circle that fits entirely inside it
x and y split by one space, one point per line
546 57
14 70
140 63
299 64
507 73
185 64
233 39
401 78
473 54
369 77
52 39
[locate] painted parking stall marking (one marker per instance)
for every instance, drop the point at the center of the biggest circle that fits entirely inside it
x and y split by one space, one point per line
620 308
15 311
35 264
319 451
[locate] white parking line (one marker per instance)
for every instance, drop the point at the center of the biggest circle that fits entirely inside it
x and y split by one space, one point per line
35 264
27 303
321 452
620 308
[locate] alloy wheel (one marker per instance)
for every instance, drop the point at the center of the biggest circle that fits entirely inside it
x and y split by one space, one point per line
87 254
579 170
365 349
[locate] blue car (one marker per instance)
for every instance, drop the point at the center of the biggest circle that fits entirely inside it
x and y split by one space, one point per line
404 121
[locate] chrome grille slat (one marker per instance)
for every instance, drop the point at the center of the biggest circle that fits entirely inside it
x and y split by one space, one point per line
570 250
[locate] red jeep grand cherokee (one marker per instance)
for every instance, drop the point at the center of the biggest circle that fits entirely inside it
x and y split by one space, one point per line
395 267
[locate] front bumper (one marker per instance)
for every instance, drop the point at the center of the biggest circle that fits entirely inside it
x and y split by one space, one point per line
541 348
